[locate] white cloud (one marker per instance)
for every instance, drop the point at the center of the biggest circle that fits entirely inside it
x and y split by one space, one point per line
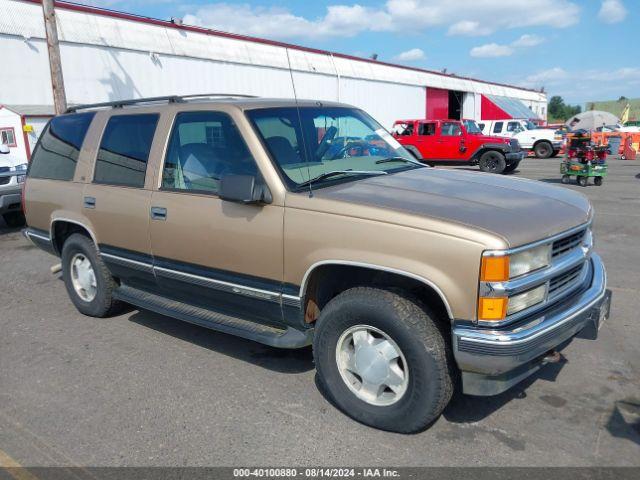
528 40
462 17
578 85
497 50
410 55
542 78
491 50
468 27
612 11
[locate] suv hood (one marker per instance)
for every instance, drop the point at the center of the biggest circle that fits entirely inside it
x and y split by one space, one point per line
518 210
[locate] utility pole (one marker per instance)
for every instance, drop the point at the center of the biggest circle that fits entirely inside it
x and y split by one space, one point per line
55 65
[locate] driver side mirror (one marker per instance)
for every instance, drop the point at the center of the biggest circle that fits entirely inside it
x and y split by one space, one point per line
4 149
244 189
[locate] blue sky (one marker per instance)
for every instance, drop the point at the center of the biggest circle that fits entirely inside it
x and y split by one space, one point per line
581 50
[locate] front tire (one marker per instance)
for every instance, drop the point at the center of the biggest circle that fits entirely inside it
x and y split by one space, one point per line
583 181
492 162
543 150
511 167
382 359
88 281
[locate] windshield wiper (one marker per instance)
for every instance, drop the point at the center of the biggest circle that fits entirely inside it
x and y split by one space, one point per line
341 172
398 159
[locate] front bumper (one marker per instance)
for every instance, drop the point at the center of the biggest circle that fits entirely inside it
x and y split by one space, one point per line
10 200
515 156
493 360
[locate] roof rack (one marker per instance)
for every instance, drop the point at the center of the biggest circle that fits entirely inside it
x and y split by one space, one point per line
168 99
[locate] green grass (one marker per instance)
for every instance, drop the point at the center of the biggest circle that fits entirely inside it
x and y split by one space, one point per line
616 107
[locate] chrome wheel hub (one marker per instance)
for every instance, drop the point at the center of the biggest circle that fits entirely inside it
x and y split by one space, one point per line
372 365
83 278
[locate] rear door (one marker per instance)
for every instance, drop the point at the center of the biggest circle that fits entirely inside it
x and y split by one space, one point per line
117 198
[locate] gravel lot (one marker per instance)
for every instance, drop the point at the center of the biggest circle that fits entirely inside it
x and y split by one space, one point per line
142 389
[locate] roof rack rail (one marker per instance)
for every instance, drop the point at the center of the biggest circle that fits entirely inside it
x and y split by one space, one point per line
123 103
168 99
218 95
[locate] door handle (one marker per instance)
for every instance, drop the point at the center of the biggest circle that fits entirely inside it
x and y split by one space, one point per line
89 202
158 213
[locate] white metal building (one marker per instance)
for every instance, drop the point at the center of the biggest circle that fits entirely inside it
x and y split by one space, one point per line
109 55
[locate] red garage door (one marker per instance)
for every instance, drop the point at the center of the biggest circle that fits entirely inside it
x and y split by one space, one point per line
437 104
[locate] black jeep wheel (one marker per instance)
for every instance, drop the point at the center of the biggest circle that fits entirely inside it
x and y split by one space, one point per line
382 359
511 167
543 150
492 162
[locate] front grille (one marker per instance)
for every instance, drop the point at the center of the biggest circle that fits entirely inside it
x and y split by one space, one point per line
4 180
566 244
565 281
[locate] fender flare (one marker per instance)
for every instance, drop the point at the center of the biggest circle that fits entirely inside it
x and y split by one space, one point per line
425 281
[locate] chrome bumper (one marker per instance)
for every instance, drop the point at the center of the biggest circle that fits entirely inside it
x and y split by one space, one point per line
493 360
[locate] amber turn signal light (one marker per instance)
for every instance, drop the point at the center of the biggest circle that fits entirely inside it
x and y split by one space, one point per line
495 269
492 308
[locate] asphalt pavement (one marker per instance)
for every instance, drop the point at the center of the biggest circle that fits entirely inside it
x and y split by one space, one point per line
141 389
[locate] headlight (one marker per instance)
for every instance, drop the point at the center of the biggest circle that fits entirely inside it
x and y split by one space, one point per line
497 268
23 167
500 268
527 299
529 260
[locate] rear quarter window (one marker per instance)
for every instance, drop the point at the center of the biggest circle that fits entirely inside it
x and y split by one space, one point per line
56 155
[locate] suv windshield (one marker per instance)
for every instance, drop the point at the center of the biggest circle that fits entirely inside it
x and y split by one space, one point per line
471 126
307 143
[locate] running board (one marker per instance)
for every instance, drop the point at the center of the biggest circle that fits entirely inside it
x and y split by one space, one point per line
275 337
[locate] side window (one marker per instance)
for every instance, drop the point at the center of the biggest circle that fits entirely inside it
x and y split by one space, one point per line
497 128
205 146
124 150
427 129
8 137
481 126
56 154
514 127
451 129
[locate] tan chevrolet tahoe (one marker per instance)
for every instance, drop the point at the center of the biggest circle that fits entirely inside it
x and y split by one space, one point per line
305 223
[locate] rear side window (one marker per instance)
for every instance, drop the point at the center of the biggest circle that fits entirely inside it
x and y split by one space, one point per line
124 150
497 128
57 152
427 129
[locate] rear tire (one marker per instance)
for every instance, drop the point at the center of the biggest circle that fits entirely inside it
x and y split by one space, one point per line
99 302
400 321
543 150
14 219
492 162
598 181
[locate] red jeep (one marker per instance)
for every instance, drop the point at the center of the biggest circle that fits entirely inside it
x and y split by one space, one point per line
455 141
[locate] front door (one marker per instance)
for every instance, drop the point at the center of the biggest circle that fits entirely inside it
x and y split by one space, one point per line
426 140
224 256
450 141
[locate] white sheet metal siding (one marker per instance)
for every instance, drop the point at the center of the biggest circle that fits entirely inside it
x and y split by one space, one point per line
106 58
